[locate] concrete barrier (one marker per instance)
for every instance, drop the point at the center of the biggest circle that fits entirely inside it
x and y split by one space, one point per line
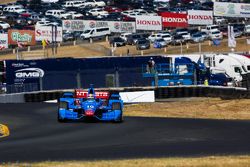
12 98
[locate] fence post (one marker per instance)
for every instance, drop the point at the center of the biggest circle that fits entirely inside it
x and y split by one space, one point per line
117 82
165 49
156 78
141 52
40 83
78 79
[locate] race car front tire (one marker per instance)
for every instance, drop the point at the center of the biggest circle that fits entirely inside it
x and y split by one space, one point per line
120 119
60 119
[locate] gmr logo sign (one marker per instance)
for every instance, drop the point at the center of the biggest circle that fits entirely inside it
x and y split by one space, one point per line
30 73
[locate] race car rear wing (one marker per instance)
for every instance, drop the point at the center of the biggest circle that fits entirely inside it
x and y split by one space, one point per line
79 93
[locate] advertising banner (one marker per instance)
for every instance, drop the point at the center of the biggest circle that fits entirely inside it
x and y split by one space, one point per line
73 25
118 26
48 33
138 96
231 9
174 19
200 17
82 25
25 37
148 23
3 41
127 27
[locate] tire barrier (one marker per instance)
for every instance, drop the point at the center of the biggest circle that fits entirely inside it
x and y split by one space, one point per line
42 96
160 93
201 91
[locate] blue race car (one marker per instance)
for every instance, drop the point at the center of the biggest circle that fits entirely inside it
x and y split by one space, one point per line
82 105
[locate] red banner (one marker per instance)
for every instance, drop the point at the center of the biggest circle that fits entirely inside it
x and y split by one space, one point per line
174 19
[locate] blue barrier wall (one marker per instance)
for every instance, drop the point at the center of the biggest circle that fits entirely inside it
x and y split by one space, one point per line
66 73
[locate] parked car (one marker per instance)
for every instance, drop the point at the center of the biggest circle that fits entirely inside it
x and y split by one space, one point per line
205 35
185 35
247 29
215 34
167 38
68 36
132 39
237 33
142 44
177 40
58 13
125 35
219 20
25 21
160 43
153 37
97 12
112 9
75 15
115 16
4 25
117 41
196 38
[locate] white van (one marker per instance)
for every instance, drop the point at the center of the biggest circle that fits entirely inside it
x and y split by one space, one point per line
95 32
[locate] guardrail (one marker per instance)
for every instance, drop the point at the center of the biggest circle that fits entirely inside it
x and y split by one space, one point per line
160 93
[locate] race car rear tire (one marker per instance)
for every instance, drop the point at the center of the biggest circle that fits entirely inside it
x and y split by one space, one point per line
116 106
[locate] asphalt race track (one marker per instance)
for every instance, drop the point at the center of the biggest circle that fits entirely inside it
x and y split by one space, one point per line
37 136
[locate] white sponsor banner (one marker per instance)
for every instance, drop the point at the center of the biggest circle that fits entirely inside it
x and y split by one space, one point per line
82 25
148 23
127 27
73 25
231 9
3 41
138 97
45 33
200 17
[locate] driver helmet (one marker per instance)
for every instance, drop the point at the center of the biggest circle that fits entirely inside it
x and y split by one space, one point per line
90 96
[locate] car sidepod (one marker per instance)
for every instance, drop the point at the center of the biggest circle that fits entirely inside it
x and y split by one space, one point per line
66 109
115 112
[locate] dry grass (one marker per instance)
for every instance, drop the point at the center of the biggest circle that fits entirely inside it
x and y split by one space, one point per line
65 51
88 50
210 161
6 1
208 108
